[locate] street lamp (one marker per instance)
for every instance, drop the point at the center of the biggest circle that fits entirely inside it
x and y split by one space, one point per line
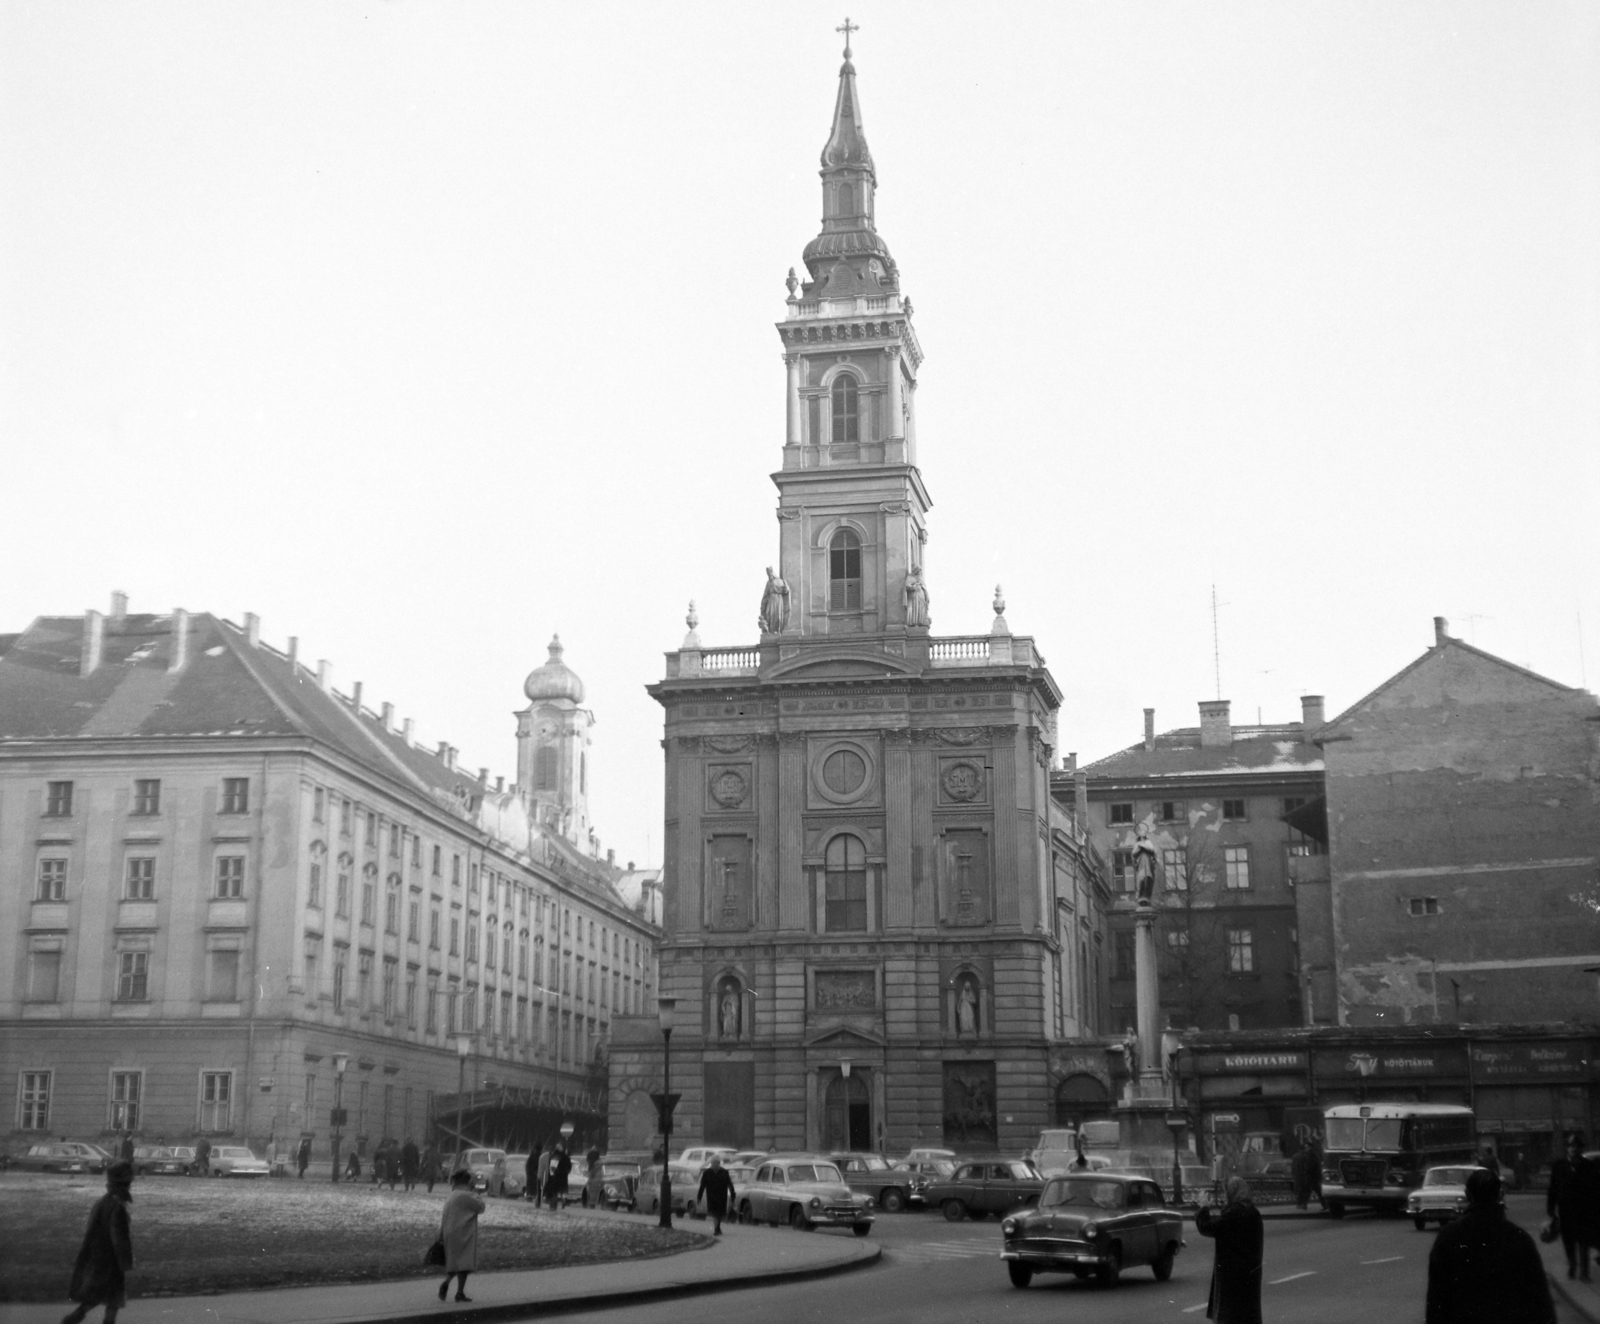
340 1062
463 1047
664 1009
1176 1122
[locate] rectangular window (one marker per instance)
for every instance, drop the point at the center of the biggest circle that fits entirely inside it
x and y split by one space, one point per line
394 840
472 879
414 921
488 949
312 988
363 981
1241 952
411 1002
340 956
472 941
1233 811
391 911
369 898
1122 871
344 818
35 1111
1236 863
319 804
469 1011
1171 811
450 1000
341 899
223 977
505 1015
455 936
372 828
433 929
58 800
230 875
44 976
391 976
216 1100
455 871
314 892
1119 813
1177 941
146 797
52 880
141 878
1174 873
1423 905
416 851
1122 955
432 1008
133 976
236 795
436 858
125 1092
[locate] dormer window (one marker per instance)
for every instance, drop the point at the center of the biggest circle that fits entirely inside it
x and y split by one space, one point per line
846 415
844 568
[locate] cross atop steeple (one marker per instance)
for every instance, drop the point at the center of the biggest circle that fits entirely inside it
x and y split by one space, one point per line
847 27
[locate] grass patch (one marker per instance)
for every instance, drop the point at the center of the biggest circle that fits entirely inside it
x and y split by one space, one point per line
192 1236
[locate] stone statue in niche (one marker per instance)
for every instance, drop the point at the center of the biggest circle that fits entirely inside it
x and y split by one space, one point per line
774 605
916 598
728 1010
967 1006
1145 867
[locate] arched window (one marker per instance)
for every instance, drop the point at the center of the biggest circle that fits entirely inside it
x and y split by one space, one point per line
846 415
844 572
544 768
845 883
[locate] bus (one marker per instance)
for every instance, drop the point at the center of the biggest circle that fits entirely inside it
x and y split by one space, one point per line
1375 1153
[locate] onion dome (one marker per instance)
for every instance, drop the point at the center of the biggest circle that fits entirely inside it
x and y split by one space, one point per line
555 679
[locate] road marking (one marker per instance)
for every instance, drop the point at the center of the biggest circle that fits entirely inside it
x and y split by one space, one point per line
1388 1260
1189 1310
1303 1274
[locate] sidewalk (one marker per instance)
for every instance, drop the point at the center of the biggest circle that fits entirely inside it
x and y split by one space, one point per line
1528 1212
741 1257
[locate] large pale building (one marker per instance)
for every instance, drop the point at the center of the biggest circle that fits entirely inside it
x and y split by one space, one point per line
234 898
880 930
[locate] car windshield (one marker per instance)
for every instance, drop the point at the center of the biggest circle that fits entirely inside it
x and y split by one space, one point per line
619 1169
234 1151
1082 1192
872 1163
814 1172
1022 1171
1447 1176
1372 1134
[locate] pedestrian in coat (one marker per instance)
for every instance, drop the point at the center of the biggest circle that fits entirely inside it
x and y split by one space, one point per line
544 1173
1574 1198
1236 1270
430 1165
716 1186
352 1167
107 1251
127 1146
530 1179
555 1186
1483 1268
410 1160
302 1156
458 1229
202 1158
1300 1168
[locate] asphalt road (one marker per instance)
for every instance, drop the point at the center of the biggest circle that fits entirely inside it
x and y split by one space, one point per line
1318 1271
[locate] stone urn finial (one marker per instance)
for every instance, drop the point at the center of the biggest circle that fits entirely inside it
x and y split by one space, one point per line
792 283
692 620
999 601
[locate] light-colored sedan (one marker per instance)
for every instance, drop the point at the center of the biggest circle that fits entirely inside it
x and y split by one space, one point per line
806 1192
237 1161
510 1177
1442 1195
685 1182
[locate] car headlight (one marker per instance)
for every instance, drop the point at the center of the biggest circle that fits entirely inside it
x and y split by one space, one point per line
1009 1227
1091 1231
612 1190
816 1202
866 1202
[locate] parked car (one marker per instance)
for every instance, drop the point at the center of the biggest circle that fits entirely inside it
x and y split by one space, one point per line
63 1156
185 1154
159 1161
479 1162
1093 1225
982 1187
929 1155
806 1192
1056 1151
614 1184
1442 1195
237 1161
685 1181
510 1176
700 1155
920 1174
871 1174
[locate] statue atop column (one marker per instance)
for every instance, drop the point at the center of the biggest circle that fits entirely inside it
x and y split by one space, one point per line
1146 867
774 605
916 597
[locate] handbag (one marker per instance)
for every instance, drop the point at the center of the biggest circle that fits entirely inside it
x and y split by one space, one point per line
435 1253
1551 1229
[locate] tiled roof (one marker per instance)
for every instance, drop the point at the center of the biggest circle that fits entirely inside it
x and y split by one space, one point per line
1254 751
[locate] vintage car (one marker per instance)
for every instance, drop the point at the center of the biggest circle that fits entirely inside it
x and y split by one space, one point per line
614 1184
980 1187
63 1156
700 1155
510 1178
806 1192
160 1161
920 1174
685 1182
1442 1195
871 1174
1097 1225
479 1162
237 1161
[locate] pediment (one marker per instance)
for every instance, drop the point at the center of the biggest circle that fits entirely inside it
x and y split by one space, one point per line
844 1039
854 664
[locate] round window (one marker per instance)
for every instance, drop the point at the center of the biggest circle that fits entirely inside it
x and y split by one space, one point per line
843 771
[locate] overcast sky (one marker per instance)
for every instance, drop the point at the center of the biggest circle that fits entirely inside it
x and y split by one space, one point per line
426 330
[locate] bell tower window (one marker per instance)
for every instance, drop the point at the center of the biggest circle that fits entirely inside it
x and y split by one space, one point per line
846 412
544 768
844 570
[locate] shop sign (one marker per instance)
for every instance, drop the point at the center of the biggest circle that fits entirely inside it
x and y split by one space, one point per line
1216 1064
1225 1121
1389 1063
1563 1061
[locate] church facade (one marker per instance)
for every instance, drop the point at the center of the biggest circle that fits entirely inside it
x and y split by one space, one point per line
880 931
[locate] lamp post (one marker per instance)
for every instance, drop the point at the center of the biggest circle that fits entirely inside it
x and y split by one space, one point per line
340 1062
1176 1122
664 1010
463 1047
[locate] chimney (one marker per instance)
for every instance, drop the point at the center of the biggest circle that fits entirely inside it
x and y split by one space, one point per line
324 674
355 698
119 606
1441 631
1070 762
387 717
1311 712
180 640
94 632
1215 729
294 652
499 785
630 866
1149 730
408 731
1080 798
483 777
252 629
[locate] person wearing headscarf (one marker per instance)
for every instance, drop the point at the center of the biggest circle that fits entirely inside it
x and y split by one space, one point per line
458 1229
98 1277
1483 1268
1236 1270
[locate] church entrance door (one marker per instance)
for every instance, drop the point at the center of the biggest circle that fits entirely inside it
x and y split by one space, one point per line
847 1115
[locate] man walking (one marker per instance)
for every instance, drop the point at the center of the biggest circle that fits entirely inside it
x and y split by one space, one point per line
1574 1199
302 1156
98 1277
1236 1270
409 1162
716 1186
1484 1269
530 1174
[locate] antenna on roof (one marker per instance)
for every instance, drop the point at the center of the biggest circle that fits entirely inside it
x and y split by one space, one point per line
1216 643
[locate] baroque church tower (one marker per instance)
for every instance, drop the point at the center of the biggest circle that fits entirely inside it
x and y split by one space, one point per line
860 887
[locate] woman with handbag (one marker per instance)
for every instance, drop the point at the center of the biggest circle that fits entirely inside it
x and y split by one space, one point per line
458 1229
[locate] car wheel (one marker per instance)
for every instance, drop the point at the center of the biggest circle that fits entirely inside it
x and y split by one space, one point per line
1021 1274
1161 1266
954 1211
746 1215
1420 1223
893 1201
797 1219
1110 1268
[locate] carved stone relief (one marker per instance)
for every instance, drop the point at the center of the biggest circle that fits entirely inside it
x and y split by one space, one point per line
846 990
728 784
961 780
